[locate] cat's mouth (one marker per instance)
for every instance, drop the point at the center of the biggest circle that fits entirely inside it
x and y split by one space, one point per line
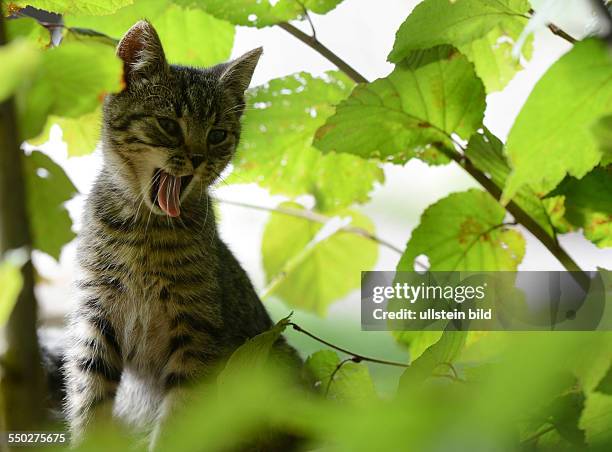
166 191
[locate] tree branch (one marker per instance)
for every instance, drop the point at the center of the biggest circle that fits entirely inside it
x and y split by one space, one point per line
315 44
23 384
519 214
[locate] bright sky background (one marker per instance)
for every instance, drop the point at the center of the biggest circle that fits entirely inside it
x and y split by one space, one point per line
362 33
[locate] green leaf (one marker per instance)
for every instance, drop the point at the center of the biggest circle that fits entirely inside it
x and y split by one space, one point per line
189 36
80 134
603 134
588 204
58 89
351 382
465 231
485 151
492 54
48 189
276 150
93 7
565 414
255 352
410 113
311 274
435 359
596 421
551 136
28 29
11 282
605 385
261 13
20 59
485 31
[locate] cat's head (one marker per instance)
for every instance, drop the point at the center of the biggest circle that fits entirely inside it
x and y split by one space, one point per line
173 129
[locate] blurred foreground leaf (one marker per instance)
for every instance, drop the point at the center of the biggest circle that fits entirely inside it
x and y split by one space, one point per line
19 59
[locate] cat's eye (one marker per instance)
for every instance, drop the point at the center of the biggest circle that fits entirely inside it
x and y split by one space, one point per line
170 126
217 136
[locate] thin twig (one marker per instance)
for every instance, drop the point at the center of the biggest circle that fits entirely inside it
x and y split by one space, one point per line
324 51
562 34
356 357
320 218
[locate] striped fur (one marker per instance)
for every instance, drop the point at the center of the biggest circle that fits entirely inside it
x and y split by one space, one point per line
162 301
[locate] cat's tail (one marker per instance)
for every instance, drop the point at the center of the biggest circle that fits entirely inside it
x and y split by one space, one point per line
53 350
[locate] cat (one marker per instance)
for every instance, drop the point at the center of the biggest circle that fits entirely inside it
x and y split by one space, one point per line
162 301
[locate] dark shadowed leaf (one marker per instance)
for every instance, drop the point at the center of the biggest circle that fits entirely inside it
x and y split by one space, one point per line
48 189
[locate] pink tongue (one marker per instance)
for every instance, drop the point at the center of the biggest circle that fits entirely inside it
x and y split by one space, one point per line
168 194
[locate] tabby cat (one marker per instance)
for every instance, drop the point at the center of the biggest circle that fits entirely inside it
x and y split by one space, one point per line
162 300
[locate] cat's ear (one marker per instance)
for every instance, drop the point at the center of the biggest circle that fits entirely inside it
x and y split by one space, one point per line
237 74
141 52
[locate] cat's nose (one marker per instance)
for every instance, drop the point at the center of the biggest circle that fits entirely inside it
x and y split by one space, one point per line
197 160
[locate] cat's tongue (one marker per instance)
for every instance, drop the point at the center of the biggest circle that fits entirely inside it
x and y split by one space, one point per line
169 193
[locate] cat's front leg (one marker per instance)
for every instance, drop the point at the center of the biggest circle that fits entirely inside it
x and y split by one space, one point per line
93 371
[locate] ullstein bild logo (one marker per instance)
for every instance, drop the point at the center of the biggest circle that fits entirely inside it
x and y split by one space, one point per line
486 301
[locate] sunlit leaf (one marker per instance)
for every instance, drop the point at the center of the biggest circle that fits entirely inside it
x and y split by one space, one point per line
411 113
596 421
81 134
188 35
309 270
58 89
276 150
551 136
94 7
48 189
485 31
465 231
260 13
